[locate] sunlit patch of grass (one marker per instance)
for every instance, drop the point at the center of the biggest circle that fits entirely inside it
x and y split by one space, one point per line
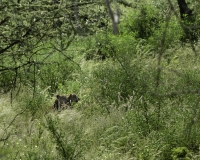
5 105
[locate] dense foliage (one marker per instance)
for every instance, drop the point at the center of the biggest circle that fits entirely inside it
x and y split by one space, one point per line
139 89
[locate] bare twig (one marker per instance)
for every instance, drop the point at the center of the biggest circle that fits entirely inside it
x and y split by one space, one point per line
8 135
15 118
160 54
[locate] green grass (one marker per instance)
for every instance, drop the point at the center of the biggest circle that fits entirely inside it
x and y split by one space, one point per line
130 107
89 132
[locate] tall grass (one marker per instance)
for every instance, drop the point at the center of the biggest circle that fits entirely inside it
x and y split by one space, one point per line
140 102
129 130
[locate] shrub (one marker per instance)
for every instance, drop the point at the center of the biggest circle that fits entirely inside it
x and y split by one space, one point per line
180 153
143 22
35 103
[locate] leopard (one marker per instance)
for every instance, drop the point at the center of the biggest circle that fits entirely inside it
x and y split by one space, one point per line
63 102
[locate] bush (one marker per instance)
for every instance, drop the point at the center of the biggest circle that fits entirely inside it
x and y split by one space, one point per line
35 103
149 23
142 23
180 153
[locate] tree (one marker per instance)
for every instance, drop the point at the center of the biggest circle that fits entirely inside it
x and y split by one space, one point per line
31 33
188 18
184 9
27 28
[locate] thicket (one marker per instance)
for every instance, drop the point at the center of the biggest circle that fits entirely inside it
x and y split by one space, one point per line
139 89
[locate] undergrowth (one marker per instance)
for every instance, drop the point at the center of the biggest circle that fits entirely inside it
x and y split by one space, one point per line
139 96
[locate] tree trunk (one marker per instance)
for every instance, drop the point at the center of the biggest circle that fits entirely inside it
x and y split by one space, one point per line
184 10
